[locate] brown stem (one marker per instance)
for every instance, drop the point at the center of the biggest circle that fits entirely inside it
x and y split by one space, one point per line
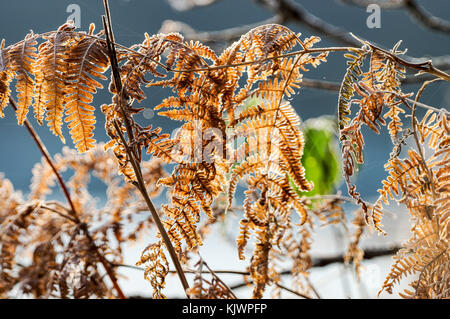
422 67
213 273
416 137
325 261
47 157
74 217
319 262
314 290
292 291
140 183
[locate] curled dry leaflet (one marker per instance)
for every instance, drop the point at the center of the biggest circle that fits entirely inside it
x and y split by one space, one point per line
236 126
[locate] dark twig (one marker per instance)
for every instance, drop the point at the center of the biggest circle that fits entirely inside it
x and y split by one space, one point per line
325 261
291 11
416 137
213 273
74 216
423 67
225 35
417 12
292 291
140 183
317 262
426 18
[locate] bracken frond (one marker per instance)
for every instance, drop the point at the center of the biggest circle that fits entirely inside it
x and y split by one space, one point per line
52 62
87 61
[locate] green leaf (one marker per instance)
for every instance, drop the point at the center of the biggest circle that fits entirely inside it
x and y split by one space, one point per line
320 156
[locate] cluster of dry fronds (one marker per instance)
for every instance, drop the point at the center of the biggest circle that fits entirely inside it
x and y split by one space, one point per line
420 181
66 254
221 142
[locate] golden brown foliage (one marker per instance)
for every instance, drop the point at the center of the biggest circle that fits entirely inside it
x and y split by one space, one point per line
419 181
206 101
237 126
423 187
64 263
65 69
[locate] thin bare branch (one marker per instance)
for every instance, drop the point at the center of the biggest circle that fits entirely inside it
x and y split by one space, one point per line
225 35
140 184
418 13
74 216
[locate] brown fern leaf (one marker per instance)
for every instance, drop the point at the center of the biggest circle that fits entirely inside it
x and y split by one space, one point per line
390 77
401 268
204 51
404 179
347 89
38 109
251 165
379 88
424 189
384 75
287 141
296 246
16 218
115 143
138 64
52 63
6 76
182 218
156 269
206 98
354 253
22 60
87 61
242 239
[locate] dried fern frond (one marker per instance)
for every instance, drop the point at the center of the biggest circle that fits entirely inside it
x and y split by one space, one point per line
6 76
87 61
35 226
347 90
52 90
60 77
237 126
206 101
22 62
156 269
426 253
379 88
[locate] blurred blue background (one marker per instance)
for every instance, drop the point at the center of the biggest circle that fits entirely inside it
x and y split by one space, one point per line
131 18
